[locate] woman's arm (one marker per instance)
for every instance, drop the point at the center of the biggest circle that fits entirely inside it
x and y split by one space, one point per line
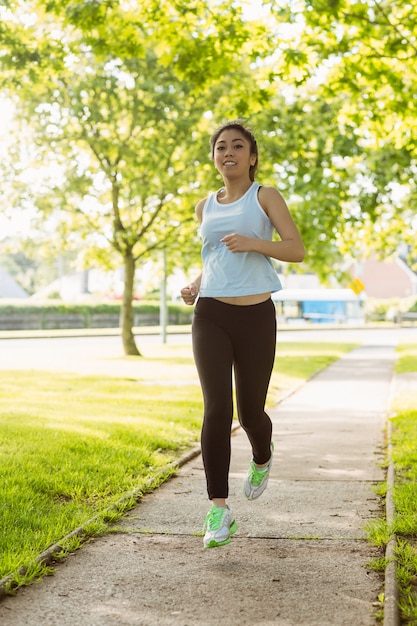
289 249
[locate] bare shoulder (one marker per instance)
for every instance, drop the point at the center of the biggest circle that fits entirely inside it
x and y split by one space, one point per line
280 217
199 209
270 199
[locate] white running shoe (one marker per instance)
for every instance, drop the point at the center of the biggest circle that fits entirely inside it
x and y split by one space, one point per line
219 526
257 479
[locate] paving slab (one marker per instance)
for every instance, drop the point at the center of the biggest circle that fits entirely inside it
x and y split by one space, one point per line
288 509
299 556
169 580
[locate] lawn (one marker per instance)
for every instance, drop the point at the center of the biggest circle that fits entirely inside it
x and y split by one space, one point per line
73 447
404 457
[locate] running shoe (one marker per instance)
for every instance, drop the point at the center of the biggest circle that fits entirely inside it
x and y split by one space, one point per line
219 526
257 479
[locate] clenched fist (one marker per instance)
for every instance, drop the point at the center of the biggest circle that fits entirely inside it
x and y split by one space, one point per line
189 293
237 243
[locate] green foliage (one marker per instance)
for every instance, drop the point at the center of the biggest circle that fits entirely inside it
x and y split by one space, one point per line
406 556
378 565
58 314
378 532
116 106
86 308
404 457
117 100
407 361
58 307
365 53
71 448
314 170
124 116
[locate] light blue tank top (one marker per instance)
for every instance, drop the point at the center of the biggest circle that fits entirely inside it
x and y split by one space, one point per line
228 274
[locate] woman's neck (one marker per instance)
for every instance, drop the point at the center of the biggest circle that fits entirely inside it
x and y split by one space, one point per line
233 190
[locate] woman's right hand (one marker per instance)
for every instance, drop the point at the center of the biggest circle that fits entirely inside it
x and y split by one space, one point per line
189 293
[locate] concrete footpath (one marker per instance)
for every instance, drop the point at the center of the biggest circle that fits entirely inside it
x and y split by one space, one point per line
300 555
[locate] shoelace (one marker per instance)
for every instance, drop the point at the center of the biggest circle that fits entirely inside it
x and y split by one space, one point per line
215 518
257 476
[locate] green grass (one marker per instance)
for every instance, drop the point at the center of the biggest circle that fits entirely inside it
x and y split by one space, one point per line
404 458
72 446
407 361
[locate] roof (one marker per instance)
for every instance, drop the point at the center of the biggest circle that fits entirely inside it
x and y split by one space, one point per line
9 288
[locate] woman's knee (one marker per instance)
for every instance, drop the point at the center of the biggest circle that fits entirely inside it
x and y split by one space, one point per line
255 421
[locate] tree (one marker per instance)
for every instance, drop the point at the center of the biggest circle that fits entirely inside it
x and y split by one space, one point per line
313 165
119 99
362 55
116 100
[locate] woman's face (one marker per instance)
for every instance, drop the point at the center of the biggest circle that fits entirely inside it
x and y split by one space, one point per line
231 154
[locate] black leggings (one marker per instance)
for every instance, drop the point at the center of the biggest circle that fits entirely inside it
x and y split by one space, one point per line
243 338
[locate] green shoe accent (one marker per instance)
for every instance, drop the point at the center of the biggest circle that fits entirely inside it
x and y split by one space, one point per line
257 479
218 526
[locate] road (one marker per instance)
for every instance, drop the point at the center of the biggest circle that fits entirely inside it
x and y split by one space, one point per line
104 354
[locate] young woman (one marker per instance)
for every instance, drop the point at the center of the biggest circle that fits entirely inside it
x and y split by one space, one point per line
234 323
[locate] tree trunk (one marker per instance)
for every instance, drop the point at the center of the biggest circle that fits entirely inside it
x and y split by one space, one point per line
126 315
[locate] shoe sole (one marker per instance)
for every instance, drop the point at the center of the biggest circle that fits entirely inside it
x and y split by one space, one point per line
216 544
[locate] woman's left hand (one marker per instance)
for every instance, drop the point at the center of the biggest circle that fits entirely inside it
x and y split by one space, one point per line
237 243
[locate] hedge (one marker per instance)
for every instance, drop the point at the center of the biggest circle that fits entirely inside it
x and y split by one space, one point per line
59 315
